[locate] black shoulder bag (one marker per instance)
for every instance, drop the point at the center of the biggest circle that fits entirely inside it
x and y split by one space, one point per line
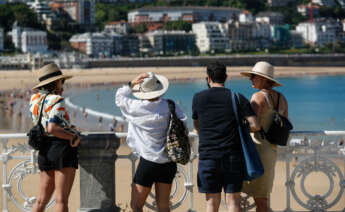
279 131
36 133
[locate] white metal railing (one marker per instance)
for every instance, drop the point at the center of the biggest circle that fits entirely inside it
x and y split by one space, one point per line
317 151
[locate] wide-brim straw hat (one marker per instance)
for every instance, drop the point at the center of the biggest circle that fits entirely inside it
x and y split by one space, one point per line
50 73
152 87
263 69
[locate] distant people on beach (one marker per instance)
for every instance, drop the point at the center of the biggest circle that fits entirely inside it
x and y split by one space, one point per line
112 125
221 163
57 157
263 102
148 118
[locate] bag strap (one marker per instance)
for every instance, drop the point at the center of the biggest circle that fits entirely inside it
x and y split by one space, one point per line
40 116
277 107
171 105
234 106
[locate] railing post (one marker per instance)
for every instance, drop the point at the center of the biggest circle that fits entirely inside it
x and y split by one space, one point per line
97 155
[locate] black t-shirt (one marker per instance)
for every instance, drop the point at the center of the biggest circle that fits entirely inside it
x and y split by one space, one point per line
218 132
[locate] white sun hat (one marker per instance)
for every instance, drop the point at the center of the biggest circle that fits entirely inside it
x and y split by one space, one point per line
263 69
152 87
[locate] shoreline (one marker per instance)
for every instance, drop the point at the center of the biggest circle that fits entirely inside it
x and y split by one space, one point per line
24 79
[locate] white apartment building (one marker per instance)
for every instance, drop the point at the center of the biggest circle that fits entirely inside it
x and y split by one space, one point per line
210 36
274 18
121 27
93 44
1 39
28 39
246 17
318 32
192 14
34 41
41 8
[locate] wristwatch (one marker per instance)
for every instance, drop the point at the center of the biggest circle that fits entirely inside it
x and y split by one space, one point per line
130 84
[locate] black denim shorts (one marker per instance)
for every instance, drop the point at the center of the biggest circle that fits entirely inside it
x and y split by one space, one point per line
56 154
223 173
149 172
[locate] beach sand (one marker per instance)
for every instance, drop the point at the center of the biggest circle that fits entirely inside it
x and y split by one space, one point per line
27 79
23 79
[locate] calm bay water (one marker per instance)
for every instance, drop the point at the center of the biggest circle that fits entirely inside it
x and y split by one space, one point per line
315 102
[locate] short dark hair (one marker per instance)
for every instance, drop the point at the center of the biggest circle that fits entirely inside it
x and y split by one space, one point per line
217 72
50 88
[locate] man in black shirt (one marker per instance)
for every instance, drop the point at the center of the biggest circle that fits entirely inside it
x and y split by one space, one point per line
221 162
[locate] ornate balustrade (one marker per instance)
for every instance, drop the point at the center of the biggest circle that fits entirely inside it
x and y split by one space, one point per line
309 153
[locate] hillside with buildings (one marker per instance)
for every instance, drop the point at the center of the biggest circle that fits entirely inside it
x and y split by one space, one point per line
112 28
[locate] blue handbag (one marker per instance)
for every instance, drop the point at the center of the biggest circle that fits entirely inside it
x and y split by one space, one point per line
254 167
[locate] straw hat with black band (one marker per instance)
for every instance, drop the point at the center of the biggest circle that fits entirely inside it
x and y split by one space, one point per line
152 87
49 73
263 69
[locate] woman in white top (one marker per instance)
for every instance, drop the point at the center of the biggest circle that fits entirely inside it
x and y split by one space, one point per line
148 118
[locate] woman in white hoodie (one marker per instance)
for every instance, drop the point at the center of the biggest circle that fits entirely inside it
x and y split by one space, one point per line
148 118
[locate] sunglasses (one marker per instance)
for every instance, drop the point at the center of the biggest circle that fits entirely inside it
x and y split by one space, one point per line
252 77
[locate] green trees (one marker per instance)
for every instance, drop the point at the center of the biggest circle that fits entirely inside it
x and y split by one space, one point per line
178 25
9 13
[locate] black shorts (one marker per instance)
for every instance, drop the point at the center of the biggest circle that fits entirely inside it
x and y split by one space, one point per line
149 172
224 173
56 154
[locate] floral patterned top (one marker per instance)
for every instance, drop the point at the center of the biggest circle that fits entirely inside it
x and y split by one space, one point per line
53 111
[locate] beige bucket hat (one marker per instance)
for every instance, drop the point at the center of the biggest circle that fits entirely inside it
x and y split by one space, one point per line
152 87
263 69
50 73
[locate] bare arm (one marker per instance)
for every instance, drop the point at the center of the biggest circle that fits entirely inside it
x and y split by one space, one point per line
60 132
196 125
254 125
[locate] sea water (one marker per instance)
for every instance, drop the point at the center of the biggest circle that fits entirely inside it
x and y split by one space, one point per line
315 102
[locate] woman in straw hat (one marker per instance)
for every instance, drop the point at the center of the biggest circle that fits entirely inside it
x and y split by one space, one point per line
148 118
57 157
263 102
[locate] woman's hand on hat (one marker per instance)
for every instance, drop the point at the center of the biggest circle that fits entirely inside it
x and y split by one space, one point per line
139 79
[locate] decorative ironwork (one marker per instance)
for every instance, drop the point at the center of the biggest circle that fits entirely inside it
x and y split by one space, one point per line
312 153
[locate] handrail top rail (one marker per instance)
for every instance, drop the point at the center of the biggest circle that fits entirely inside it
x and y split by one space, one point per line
191 134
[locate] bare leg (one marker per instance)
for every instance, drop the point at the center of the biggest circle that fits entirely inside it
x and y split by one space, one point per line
139 196
46 191
213 202
63 184
163 196
261 204
233 201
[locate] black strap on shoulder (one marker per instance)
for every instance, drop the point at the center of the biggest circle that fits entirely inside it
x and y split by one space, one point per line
40 116
277 107
171 104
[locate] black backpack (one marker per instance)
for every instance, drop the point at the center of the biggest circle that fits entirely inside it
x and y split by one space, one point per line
178 146
279 131
36 133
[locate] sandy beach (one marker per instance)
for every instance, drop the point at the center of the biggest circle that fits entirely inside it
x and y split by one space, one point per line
24 79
